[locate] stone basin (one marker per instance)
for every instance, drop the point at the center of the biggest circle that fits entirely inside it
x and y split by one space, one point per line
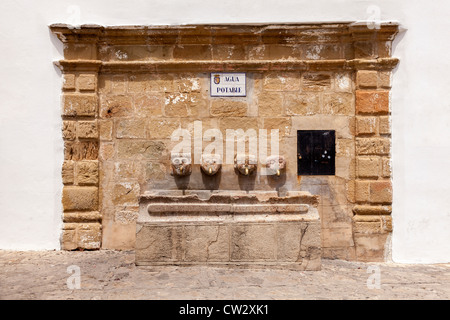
234 228
203 205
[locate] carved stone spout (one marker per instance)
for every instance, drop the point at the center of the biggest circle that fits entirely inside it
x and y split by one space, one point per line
181 164
275 165
211 163
245 164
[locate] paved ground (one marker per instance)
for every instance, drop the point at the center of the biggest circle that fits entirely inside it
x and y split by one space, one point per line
113 275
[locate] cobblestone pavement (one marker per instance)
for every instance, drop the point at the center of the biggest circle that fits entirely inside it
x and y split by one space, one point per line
113 275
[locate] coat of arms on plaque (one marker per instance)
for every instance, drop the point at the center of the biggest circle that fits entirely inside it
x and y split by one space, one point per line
217 78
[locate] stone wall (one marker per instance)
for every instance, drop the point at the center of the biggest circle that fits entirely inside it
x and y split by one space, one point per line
127 89
80 171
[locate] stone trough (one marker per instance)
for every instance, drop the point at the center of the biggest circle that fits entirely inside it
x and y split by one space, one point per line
235 228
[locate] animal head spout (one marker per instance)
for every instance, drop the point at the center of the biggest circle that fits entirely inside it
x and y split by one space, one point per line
211 163
245 164
181 164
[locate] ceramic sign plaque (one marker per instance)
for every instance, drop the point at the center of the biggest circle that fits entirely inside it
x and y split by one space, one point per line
228 84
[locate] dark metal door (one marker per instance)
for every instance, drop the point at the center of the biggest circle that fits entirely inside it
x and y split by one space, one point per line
316 151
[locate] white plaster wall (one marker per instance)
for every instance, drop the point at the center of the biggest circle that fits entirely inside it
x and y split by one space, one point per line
31 148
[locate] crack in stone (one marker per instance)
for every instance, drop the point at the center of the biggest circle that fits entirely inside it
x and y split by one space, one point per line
211 242
299 258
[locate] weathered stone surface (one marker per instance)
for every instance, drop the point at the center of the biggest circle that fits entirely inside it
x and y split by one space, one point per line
185 104
186 83
137 83
79 105
283 125
131 129
126 194
87 82
81 216
116 106
206 243
386 167
342 124
253 242
350 191
343 82
69 131
339 254
371 224
130 149
384 79
118 236
345 147
372 101
257 52
270 104
366 125
322 51
69 81
316 81
69 240
119 84
282 81
192 52
126 216
345 167
87 172
162 128
149 105
83 150
381 192
337 237
106 151
301 104
368 167
68 172
289 240
228 52
87 130
370 247
228 108
337 103
282 52
234 123
104 83
80 198
364 49
89 236
385 125
105 130
81 51
158 243
298 241
368 146
372 210
154 171
163 83
126 170
362 192
335 216
367 79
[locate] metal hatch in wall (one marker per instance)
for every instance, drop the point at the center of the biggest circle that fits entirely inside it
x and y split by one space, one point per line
316 152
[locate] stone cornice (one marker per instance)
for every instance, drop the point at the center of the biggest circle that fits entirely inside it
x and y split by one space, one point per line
320 46
79 65
217 34
231 65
